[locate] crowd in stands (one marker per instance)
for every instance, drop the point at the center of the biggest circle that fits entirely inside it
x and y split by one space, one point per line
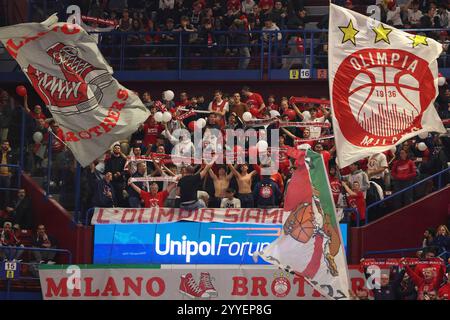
236 30
106 183
424 278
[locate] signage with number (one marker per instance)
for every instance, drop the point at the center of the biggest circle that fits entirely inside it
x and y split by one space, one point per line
294 74
10 266
305 74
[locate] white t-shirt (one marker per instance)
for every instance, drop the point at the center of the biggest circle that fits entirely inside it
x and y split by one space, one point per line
315 132
414 17
377 161
394 16
233 203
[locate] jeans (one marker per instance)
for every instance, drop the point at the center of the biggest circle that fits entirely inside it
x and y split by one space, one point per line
194 206
44 255
246 200
134 202
406 197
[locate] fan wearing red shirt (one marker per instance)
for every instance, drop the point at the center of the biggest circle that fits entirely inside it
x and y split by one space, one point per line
58 141
427 283
153 198
233 4
444 291
266 4
356 199
335 184
220 107
151 132
326 155
184 101
37 111
253 99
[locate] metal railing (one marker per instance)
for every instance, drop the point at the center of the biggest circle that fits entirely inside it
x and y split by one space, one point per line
404 251
439 186
33 267
268 58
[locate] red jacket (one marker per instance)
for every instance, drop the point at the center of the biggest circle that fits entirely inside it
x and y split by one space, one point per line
403 170
444 292
422 285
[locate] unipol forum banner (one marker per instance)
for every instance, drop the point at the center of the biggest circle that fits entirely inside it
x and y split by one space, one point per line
383 84
169 282
66 69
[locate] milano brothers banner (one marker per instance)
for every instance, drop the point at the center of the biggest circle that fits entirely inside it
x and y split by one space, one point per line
218 282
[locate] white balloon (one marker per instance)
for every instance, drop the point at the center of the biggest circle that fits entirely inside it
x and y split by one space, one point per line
274 113
422 146
158 116
423 135
304 146
37 137
306 116
168 95
441 81
247 116
201 123
167 116
262 145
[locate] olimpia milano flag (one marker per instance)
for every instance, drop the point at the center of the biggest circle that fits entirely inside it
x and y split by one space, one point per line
66 69
383 83
311 244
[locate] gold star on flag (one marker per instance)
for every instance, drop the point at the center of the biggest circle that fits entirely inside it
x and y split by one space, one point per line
418 40
382 33
349 33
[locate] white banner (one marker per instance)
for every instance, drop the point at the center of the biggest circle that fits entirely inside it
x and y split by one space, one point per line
171 282
383 83
164 215
66 69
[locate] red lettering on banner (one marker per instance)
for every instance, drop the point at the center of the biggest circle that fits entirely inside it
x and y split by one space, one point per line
76 292
54 290
100 216
207 215
96 130
118 106
136 287
161 286
114 114
107 125
186 214
239 286
70 137
141 216
13 48
162 213
259 284
274 216
255 217
84 135
124 216
301 286
88 292
110 287
230 216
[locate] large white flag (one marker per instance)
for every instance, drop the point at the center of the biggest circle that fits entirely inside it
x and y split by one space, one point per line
383 83
65 67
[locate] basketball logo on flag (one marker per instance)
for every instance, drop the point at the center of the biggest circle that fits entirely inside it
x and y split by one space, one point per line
382 93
